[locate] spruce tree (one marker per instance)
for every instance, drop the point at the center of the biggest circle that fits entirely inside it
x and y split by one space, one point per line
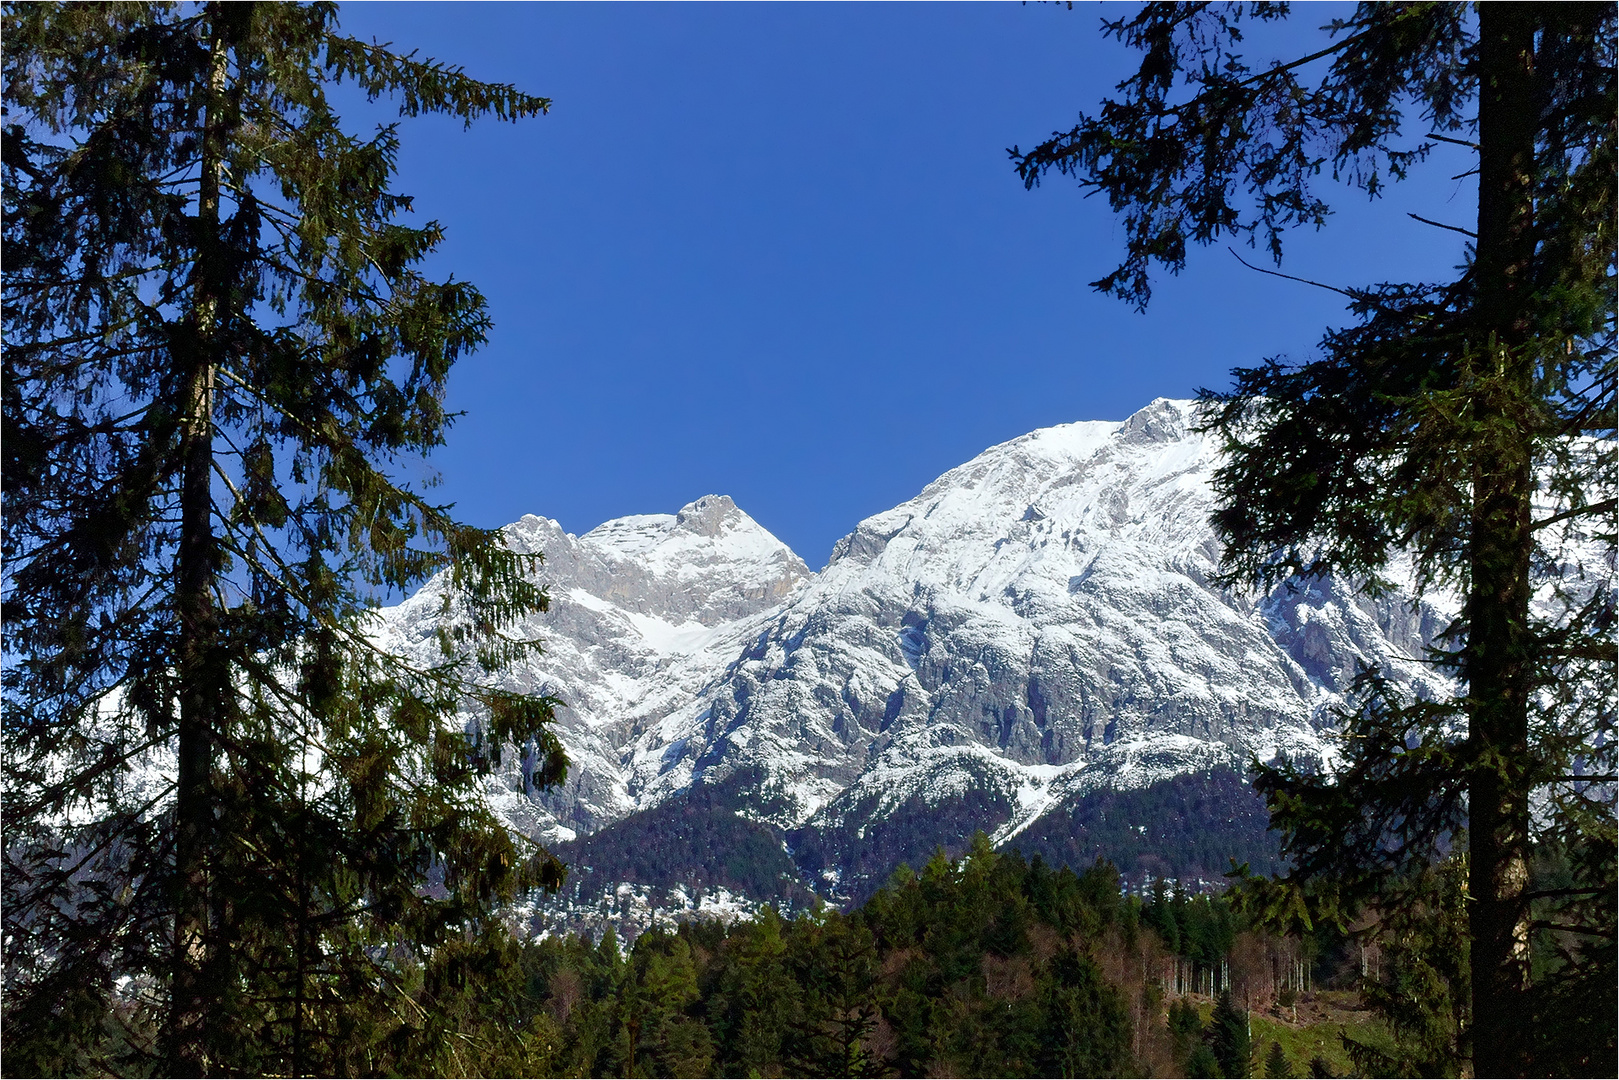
1229 1038
1462 428
1277 1067
1202 1063
236 826
833 963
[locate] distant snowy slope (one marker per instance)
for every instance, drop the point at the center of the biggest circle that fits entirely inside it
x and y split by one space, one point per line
1036 626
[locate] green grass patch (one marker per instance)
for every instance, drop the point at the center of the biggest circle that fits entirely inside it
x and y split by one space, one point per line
1304 1041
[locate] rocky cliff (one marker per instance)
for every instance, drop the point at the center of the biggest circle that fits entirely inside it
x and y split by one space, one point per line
1034 646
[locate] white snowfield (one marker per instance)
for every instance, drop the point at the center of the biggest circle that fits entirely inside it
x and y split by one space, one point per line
1035 624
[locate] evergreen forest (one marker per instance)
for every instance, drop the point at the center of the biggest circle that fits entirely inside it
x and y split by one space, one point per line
986 965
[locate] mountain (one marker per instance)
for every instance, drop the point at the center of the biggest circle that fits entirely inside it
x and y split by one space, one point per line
1034 646
646 611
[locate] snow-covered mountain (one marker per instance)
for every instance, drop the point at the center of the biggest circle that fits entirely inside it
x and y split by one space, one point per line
646 611
1030 640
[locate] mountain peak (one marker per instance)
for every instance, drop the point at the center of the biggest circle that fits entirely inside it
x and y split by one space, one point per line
1165 420
708 515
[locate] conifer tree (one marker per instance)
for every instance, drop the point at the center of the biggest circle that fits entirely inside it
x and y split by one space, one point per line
1465 426
1422 994
1202 1063
834 966
1276 1064
1228 1036
235 824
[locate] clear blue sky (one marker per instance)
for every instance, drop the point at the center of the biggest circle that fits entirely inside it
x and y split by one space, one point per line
778 252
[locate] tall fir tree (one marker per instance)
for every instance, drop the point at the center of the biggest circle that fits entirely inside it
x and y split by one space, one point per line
236 828
1229 1037
1276 1064
1467 425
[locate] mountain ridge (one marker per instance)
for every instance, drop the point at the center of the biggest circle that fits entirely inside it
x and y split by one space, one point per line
1038 625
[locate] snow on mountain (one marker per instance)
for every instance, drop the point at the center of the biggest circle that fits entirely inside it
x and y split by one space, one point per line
1036 625
646 611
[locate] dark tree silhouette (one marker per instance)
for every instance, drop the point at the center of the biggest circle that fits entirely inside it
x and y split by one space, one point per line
235 825
1465 425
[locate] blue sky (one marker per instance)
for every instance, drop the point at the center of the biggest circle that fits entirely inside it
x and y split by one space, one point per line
778 252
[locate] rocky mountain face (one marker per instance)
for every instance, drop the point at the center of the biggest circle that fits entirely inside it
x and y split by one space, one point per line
1033 646
646 612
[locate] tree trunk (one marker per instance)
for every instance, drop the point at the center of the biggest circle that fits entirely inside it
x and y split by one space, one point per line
194 988
1497 660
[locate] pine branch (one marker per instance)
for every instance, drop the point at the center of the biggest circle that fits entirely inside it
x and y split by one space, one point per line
1442 225
1606 506
1457 142
1290 277
1545 894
